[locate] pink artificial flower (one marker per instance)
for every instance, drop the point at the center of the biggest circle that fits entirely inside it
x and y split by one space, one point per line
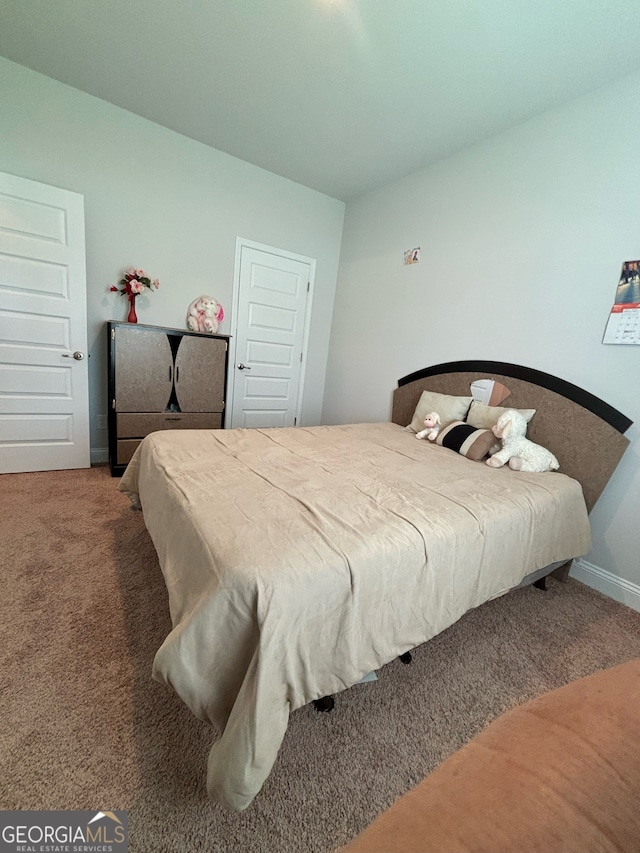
113 288
140 274
131 272
155 284
136 286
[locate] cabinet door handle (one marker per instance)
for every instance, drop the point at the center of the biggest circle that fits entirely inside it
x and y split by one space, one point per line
170 372
178 373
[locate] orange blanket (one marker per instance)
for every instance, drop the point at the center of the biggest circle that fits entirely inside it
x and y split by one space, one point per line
560 774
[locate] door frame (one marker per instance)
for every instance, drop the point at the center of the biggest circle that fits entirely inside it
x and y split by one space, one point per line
241 243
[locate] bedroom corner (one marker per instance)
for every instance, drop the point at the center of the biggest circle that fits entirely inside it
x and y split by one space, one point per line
522 240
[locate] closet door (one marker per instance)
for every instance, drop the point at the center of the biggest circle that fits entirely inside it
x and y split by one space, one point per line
144 370
200 373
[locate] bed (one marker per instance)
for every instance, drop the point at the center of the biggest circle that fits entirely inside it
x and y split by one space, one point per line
299 560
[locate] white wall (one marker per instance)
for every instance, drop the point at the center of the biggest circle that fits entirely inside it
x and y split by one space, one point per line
157 200
523 238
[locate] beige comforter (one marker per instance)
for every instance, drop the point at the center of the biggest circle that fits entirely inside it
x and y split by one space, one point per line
298 560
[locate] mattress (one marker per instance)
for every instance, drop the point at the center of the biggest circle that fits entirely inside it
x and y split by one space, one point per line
298 560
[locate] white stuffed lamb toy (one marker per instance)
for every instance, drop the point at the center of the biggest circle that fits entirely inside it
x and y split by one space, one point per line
432 427
518 451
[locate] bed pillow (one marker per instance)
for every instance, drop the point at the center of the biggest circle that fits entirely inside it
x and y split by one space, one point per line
467 440
484 417
449 408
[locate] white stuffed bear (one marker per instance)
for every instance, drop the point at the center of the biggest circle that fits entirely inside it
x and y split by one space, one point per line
204 315
432 427
518 451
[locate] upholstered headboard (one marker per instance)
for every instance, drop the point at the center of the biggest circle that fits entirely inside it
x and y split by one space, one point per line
585 433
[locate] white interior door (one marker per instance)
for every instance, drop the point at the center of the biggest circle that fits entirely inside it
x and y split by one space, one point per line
271 330
44 405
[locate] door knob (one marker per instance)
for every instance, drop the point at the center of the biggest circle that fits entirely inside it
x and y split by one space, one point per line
242 366
77 355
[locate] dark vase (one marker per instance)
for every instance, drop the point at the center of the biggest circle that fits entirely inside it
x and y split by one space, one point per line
133 317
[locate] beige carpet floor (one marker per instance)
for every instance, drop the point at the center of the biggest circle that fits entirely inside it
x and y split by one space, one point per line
83 725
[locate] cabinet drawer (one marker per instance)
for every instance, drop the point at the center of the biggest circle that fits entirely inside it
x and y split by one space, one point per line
125 450
134 425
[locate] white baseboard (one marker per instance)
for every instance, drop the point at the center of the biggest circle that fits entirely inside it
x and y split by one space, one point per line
99 455
617 588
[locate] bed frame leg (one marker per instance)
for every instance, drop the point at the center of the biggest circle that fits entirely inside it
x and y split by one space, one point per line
326 704
541 583
562 572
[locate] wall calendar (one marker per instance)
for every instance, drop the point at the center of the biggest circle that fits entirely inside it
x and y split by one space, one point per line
623 325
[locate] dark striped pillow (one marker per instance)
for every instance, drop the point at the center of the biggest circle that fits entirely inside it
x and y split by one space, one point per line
467 440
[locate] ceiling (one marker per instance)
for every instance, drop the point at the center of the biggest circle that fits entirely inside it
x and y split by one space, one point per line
339 95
